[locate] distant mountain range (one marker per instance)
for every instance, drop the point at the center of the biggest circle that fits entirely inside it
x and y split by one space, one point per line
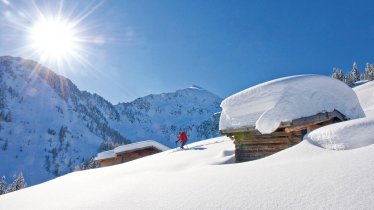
48 126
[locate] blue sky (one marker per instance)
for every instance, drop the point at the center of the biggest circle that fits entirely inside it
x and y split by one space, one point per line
142 47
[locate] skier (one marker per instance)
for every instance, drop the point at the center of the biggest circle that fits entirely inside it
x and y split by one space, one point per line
182 138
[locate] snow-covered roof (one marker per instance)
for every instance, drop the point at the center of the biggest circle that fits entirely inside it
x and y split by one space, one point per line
268 104
130 147
106 155
140 145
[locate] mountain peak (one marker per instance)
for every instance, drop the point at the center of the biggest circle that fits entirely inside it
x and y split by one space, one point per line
196 87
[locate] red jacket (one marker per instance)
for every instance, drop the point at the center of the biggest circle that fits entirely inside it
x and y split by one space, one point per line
183 137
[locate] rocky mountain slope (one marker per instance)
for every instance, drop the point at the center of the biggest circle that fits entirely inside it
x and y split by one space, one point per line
48 126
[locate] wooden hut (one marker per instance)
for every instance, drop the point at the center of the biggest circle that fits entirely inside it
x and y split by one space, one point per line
250 144
129 152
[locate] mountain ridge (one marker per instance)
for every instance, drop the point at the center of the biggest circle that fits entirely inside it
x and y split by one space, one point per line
48 126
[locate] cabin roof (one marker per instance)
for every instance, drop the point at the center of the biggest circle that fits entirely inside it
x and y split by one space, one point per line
129 148
269 104
314 119
140 145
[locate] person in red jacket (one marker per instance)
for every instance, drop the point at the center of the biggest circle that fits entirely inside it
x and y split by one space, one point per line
182 138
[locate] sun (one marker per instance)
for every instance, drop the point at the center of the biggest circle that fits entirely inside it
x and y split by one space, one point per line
56 34
53 38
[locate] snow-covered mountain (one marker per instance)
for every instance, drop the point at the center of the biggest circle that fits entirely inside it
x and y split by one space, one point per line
48 126
161 117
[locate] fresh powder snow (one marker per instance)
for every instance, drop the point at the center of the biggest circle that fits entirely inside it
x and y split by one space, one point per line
268 104
301 177
345 135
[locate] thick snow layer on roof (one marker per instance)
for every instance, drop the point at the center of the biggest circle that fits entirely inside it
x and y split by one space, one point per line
365 94
268 104
345 135
140 145
301 177
106 155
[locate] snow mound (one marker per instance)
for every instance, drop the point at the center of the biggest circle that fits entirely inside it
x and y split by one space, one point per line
268 104
345 135
365 94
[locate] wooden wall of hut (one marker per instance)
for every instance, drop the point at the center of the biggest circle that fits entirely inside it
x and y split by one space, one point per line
133 155
253 145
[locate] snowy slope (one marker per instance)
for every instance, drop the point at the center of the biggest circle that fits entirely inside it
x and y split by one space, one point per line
302 177
365 94
47 125
268 104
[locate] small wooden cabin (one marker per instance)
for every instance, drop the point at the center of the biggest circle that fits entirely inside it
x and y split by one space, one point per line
250 144
129 152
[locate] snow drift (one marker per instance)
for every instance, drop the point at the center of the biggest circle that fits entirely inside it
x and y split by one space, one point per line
345 135
268 104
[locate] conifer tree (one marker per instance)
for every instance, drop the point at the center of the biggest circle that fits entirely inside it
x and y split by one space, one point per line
369 72
353 76
337 74
18 183
3 186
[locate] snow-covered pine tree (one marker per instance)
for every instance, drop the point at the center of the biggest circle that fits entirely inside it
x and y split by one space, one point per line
353 76
337 74
3 186
18 183
369 72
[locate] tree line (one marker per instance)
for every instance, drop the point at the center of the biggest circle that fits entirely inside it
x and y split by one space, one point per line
354 75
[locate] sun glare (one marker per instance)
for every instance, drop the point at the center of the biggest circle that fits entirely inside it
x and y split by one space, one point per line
53 39
54 34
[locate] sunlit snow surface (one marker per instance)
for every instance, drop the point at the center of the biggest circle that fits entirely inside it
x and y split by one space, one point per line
268 104
365 94
302 177
345 135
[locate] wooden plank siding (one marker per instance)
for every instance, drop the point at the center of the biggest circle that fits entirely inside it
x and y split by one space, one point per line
128 156
133 155
250 144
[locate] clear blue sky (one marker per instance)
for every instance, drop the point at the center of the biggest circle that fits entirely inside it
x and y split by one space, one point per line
224 46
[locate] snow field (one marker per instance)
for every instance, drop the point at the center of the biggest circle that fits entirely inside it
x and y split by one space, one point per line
304 176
